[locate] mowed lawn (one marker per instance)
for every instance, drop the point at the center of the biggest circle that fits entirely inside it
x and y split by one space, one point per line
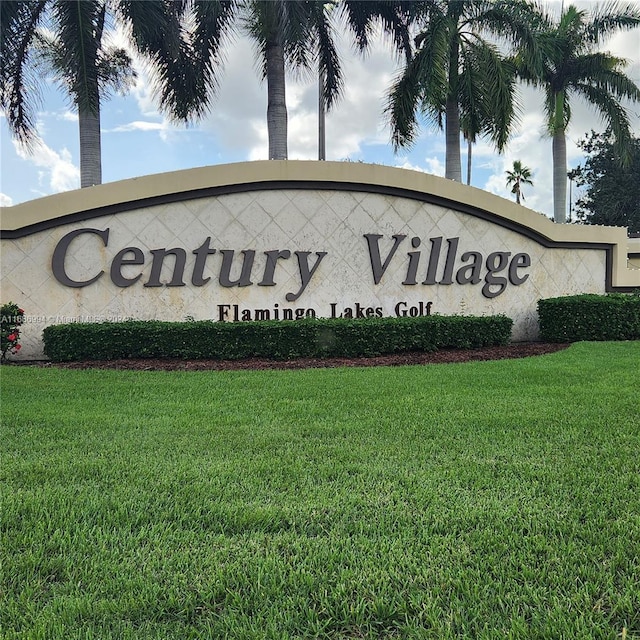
479 500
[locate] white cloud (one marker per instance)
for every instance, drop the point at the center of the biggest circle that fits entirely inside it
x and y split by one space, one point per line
166 130
64 115
137 125
143 91
529 145
432 165
5 201
358 118
435 166
58 168
403 163
69 116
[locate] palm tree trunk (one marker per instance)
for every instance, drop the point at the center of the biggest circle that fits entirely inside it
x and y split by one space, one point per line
453 169
452 166
322 136
276 102
90 144
559 146
469 153
559 176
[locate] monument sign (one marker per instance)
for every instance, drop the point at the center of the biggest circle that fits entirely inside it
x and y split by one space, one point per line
283 240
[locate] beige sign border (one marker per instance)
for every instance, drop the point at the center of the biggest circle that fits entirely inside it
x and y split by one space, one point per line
84 204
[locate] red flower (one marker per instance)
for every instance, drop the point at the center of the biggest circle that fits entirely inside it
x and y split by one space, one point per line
11 337
18 347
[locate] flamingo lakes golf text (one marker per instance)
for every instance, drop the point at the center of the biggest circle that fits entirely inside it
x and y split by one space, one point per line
436 261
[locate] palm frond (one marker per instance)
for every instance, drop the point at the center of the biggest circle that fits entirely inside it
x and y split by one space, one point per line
605 71
610 18
183 42
614 115
79 28
557 109
20 83
115 71
214 27
492 83
150 25
423 84
395 16
299 35
328 59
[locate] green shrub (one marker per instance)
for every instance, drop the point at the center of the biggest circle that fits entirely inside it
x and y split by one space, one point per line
590 317
281 340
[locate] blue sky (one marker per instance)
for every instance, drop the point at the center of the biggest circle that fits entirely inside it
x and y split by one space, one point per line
137 140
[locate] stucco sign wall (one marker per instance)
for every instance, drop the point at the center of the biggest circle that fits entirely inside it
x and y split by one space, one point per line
286 240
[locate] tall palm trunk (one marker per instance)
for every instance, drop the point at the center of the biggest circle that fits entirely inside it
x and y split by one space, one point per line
276 102
452 165
453 168
559 158
469 158
559 176
90 146
322 135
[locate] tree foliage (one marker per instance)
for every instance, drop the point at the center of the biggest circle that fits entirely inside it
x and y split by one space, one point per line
457 77
518 176
289 36
612 195
572 65
69 42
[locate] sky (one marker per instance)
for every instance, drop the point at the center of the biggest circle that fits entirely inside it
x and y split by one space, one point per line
137 140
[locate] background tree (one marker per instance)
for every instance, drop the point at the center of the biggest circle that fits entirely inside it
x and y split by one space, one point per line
456 74
572 65
64 41
67 41
612 193
182 40
289 35
518 176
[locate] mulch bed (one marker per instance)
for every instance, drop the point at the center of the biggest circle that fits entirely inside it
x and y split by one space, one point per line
516 350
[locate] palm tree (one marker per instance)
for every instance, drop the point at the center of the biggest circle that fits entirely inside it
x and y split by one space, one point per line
74 53
288 34
518 176
456 75
573 66
67 41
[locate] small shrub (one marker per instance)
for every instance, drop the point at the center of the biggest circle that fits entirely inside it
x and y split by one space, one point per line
11 317
614 316
280 340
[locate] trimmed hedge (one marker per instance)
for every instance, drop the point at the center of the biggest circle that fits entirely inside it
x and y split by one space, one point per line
278 340
590 317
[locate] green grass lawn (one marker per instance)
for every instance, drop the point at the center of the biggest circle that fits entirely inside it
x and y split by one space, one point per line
480 500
